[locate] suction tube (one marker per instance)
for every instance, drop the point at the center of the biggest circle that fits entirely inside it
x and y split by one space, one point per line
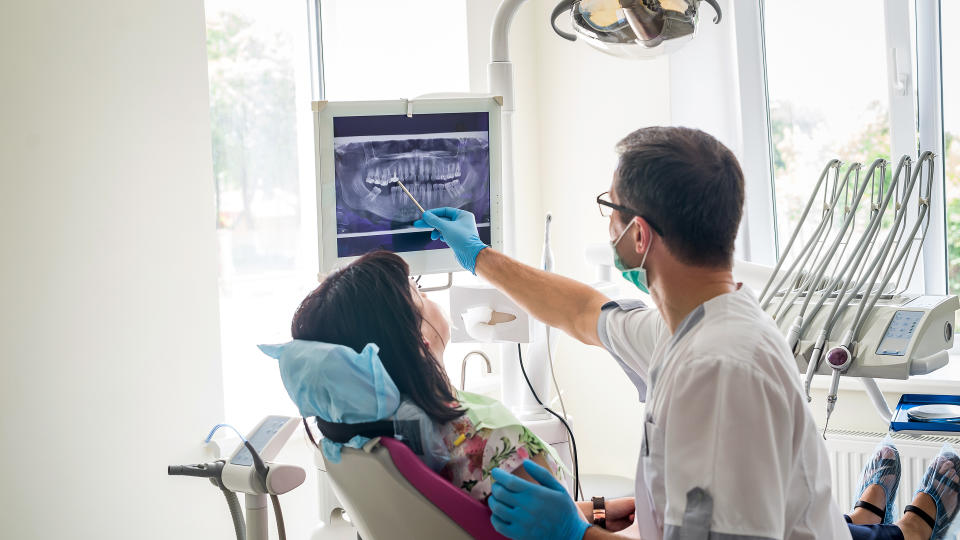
236 512
833 164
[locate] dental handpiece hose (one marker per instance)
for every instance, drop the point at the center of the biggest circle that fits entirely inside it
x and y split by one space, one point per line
840 357
820 264
849 270
814 362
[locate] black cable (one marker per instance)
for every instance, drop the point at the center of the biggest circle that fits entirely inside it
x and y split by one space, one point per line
258 465
573 440
262 471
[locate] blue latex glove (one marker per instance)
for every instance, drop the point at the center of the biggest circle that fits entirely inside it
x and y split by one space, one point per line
458 229
526 511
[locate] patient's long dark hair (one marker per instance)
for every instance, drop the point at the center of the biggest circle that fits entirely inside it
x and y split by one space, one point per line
370 301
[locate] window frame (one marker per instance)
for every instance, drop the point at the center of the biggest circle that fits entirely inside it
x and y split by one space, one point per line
930 129
760 214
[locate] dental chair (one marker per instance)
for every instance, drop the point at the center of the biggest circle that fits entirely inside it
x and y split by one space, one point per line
389 493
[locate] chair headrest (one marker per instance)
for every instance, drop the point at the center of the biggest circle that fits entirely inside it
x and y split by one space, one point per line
336 384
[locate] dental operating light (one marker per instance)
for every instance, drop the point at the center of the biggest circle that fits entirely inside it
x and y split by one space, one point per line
632 28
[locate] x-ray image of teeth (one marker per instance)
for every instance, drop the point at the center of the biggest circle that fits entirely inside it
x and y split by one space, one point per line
439 170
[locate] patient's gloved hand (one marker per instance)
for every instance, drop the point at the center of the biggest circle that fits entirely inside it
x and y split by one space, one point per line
458 228
524 510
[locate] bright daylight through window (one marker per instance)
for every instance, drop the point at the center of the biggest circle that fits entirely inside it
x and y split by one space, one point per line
950 50
262 80
828 98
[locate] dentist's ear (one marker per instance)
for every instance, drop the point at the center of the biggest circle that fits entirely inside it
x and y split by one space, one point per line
639 244
644 235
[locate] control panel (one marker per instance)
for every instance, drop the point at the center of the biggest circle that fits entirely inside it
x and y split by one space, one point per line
267 429
897 337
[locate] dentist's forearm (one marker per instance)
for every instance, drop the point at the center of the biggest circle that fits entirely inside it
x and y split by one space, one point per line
558 301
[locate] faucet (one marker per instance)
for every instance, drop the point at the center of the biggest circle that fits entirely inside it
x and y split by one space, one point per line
463 366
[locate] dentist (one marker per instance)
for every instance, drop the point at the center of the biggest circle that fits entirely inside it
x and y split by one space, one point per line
730 449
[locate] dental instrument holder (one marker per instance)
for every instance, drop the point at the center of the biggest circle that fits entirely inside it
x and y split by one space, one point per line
894 334
249 471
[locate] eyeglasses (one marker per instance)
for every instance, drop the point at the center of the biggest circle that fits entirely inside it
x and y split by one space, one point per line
607 208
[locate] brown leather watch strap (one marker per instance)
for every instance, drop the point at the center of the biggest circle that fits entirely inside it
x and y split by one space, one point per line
600 512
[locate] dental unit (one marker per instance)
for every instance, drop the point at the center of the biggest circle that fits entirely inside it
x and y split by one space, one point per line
894 332
249 470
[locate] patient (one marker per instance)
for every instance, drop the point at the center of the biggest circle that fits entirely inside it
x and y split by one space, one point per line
374 301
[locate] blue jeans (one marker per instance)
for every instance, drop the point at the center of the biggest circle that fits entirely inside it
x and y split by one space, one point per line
874 532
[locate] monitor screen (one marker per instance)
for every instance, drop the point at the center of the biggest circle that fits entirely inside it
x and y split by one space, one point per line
443 159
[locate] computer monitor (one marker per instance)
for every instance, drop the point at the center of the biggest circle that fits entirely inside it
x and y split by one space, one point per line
446 152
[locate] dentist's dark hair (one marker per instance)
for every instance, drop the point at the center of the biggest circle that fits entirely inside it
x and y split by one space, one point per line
370 301
689 184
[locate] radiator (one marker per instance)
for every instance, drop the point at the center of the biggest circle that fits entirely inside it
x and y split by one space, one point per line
849 451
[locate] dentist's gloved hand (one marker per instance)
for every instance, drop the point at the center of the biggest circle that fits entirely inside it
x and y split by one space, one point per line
458 229
526 511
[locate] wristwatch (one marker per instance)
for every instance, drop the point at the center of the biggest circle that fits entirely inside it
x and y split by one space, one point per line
600 512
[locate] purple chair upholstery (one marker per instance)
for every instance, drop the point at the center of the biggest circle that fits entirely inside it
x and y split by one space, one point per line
469 513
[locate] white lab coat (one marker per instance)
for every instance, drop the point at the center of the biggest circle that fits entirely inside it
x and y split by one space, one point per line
730 449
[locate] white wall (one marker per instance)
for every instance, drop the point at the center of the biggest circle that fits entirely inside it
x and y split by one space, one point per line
109 339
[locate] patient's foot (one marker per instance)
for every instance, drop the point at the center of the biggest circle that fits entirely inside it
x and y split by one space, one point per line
912 525
878 486
874 495
937 497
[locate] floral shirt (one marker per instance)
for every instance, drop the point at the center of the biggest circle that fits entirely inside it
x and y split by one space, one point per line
475 452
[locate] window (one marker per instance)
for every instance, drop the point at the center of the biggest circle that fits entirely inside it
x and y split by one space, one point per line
263 74
950 51
828 98
262 140
836 96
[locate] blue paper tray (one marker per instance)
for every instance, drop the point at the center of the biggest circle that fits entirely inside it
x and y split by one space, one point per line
901 422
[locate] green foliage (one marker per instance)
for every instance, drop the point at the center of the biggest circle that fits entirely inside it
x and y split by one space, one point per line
873 141
786 123
252 113
951 168
795 130
953 245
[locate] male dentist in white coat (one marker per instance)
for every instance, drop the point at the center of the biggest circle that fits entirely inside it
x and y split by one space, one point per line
730 449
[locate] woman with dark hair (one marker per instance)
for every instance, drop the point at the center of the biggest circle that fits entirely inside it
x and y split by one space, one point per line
373 300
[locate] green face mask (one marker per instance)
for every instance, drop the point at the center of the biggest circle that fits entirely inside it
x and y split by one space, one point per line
638 275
